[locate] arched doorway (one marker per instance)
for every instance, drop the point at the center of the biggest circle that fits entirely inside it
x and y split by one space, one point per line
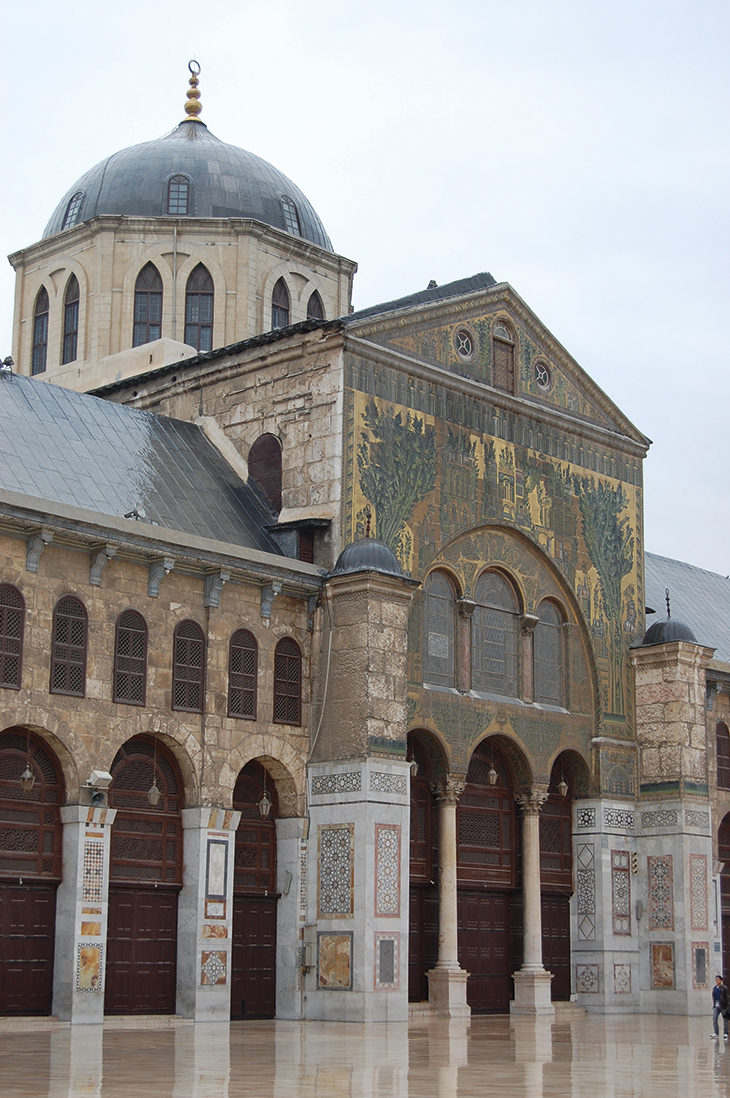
489 902
723 854
556 878
30 872
423 926
144 880
253 978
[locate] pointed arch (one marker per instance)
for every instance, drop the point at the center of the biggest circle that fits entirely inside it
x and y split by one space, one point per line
280 305
70 321
199 299
40 333
147 306
315 307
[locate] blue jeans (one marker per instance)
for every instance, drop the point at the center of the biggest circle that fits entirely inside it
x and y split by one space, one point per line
715 1016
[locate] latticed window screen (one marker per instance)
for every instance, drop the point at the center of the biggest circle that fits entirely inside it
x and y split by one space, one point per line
146 841
722 741
255 858
288 683
494 637
30 823
242 671
130 659
199 309
147 306
549 656
280 305
291 215
40 333
68 656
188 667
424 825
438 657
486 824
71 321
12 622
556 833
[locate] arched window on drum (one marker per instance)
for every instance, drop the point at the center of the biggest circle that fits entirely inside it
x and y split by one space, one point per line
439 629
549 657
494 653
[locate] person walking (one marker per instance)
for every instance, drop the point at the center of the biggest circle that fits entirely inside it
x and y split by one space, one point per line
720 1005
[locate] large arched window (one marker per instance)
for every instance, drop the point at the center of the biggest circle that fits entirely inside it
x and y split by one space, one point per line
264 468
549 674
178 195
503 357
494 636
147 306
199 309
315 308
130 659
287 682
12 622
68 655
280 305
242 674
722 741
438 655
40 332
188 667
71 321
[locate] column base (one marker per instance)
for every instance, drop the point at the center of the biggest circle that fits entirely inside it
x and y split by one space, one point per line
532 992
447 992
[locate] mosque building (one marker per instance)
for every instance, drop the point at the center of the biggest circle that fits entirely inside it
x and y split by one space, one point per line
325 684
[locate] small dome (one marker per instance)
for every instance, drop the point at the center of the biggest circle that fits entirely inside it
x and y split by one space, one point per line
367 555
222 181
662 632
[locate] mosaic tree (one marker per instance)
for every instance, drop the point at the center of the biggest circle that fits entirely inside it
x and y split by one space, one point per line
397 463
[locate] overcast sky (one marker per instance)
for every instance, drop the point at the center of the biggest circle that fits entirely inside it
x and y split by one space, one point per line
577 149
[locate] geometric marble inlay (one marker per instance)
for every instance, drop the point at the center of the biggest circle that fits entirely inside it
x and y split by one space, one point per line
698 890
621 891
334 898
697 819
387 870
663 817
661 905
622 979
93 873
586 979
585 817
618 817
586 891
387 783
337 783
213 964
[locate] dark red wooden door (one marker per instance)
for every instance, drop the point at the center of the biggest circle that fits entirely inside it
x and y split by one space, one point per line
253 980
484 949
423 934
556 944
27 927
141 951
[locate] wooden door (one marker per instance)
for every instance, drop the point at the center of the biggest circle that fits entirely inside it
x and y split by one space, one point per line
423 934
485 949
141 951
556 944
27 930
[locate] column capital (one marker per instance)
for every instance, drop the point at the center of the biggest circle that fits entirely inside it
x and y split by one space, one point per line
465 606
449 790
528 624
531 801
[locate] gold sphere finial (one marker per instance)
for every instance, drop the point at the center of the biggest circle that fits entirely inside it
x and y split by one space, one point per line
193 106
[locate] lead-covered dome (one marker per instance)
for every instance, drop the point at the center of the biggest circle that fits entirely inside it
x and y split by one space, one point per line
664 632
213 180
367 555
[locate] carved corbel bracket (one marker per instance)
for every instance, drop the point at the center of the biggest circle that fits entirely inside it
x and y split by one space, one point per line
213 587
99 561
158 570
465 606
528 624
268 594
35 545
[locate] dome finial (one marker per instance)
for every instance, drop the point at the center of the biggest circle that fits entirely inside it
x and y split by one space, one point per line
666 599
193 106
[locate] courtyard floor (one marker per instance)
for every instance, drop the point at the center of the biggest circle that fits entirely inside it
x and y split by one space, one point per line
592 1057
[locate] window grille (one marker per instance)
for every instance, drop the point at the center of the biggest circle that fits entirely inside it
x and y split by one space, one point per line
188 667
486 821
130 659
722 741
72 210
178 194
287 683
242 674
30 823
494 637
146 840
12 623
40 332
71 321
439 633
147 306
68 656
291 216
280 305
255 857
549 656
199 310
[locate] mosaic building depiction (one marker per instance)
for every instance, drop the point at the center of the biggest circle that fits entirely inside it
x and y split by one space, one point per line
326 688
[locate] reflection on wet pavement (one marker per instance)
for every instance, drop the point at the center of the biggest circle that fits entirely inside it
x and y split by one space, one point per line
616 1057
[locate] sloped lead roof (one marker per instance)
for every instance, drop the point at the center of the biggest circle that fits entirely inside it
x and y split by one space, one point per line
76 449
698 599
225 181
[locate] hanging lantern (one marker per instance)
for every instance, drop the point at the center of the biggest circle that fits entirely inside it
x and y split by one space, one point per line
414 768
562 787
265 804
492 775
153 794
27 779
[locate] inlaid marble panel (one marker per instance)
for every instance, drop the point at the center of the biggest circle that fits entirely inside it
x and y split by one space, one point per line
621 891
585 817
334 898
663 817
701 964
337 783
213 967
618 817
387 962
662 965
587 979
586 891
698 890
387 870
334 960
89 969
661 901
694 818
92 890
381 782
622 979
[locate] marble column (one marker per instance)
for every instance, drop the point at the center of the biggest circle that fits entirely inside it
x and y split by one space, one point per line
82 906
205 914
528 624
532 981
463 658
447 980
